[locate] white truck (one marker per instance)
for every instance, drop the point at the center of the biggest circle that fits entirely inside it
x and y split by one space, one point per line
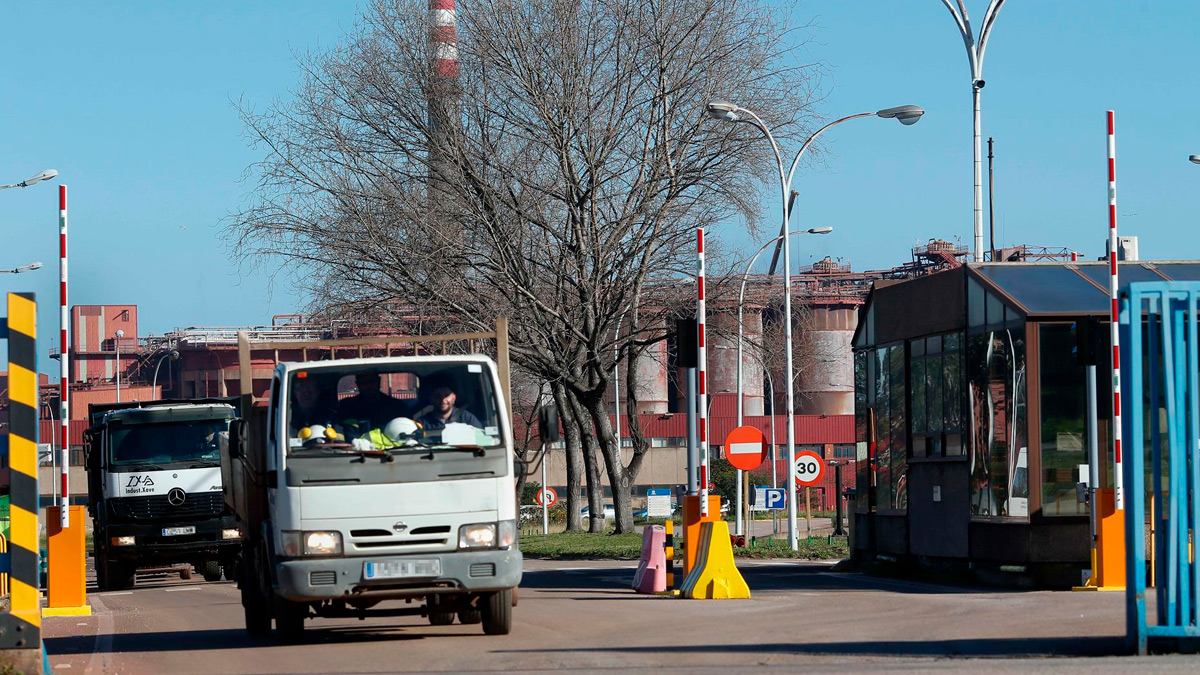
351 497
154 489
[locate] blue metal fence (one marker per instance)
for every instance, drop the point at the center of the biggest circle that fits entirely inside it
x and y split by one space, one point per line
1161 373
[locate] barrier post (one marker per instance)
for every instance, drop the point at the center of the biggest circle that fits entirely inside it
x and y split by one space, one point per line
66 593
21 626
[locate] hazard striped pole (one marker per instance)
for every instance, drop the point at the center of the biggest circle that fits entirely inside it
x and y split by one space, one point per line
22 623
702 367
669 552
1119 479
63 359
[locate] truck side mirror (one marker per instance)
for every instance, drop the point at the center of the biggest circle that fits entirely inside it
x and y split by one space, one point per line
237 437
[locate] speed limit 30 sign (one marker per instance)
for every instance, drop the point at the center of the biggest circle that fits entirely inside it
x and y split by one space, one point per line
810 468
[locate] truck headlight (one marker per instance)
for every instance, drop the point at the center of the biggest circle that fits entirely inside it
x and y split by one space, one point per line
231 534
322 543
129 540
297 543
479 535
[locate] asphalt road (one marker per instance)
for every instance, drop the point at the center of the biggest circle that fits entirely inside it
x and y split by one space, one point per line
581 617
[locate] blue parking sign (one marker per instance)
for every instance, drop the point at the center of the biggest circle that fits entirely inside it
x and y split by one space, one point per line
776 498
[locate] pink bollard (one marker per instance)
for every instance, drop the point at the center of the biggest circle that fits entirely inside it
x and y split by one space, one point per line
651 575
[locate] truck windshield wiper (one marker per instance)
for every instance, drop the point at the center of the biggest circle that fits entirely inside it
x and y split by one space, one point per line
431 448
139 467
204 464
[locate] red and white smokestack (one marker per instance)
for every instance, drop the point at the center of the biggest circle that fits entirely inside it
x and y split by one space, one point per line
63 352
444 38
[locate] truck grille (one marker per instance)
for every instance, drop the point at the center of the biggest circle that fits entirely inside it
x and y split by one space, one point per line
157 507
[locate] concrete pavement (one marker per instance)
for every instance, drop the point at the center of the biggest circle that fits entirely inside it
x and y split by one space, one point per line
581 617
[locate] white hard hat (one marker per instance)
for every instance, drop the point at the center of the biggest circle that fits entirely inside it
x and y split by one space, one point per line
400 429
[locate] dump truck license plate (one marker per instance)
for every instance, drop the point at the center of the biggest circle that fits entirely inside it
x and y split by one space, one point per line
176 531
392 569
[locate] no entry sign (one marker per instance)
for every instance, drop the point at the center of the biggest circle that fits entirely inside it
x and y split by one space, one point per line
746 448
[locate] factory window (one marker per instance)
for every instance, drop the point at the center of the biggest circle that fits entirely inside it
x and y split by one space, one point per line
935 386
658 442
677 442
844 451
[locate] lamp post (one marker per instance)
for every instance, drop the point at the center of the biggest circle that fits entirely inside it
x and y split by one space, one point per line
741 403
23 268
117 342
173 355
37 178
723 110
975 52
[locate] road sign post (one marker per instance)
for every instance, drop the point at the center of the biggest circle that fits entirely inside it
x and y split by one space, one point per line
746 450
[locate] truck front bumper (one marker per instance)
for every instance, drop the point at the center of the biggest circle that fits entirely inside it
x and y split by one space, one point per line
306 580
152 546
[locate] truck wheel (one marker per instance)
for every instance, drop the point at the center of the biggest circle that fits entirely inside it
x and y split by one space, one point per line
469 616
211 570
254 605
437 615
497 612
114 576
230 569
289 620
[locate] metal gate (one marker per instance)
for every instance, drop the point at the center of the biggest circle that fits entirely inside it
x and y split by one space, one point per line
1161 425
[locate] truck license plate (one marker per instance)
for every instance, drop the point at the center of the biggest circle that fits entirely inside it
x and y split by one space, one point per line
393 569
176 531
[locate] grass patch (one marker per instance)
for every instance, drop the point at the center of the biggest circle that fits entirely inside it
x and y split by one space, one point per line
564 545
583 545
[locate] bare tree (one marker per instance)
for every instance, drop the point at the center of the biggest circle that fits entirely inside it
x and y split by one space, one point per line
579 165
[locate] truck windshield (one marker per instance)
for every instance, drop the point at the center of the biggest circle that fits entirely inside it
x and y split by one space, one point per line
392 407
163 443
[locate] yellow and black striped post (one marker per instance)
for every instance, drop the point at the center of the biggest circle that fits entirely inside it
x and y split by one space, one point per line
669 545
20 628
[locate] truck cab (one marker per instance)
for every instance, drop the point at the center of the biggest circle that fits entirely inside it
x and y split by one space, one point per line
154 489
363 481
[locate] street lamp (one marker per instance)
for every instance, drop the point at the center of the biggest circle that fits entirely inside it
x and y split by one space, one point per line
117 342
741 299
975 52
173 355
44 175
723 110
23 268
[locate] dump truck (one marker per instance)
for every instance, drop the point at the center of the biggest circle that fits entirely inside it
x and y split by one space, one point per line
154 489
376 486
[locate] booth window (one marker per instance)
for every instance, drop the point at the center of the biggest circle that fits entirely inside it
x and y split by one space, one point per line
998 415
935 386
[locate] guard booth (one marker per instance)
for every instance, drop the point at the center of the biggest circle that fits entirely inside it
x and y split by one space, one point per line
970 410
1161 370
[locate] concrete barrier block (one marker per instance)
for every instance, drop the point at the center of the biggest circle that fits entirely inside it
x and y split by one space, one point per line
651 575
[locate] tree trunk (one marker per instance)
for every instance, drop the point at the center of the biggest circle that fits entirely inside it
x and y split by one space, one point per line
571 435
591 465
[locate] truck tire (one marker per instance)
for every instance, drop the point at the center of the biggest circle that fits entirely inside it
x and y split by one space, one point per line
114 576
254 605
438 616
211 570
470 616
289 621
497 612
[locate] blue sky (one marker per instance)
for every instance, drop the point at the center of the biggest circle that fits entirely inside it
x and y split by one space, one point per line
133 103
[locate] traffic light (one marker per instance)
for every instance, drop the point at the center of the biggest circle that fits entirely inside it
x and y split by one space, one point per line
687 343
1087 341
548 423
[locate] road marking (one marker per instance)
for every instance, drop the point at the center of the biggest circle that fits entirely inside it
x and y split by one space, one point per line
114 593
102 657
185 588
